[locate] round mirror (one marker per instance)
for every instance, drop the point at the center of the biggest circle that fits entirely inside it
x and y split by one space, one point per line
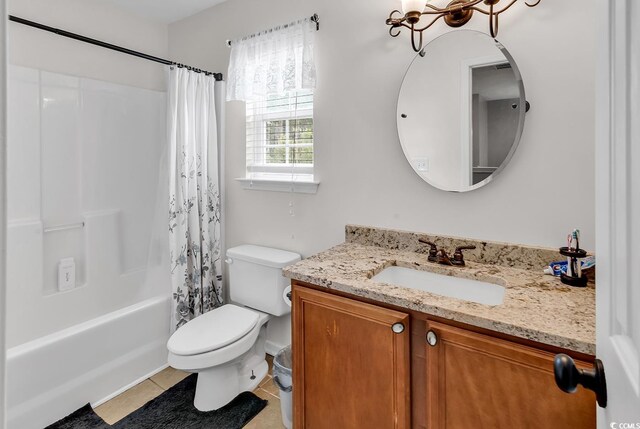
461 111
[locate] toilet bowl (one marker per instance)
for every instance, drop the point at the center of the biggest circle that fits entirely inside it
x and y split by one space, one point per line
222 347
226 346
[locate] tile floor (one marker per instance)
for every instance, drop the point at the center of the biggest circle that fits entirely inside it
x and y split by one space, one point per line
134 398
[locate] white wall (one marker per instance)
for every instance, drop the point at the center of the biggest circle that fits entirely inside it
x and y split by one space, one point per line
364 176
98 19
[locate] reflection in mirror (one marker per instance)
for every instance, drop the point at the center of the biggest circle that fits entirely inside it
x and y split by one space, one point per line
494 117
461 111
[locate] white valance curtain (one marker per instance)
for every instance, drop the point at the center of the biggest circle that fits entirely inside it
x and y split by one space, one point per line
272 62
194 196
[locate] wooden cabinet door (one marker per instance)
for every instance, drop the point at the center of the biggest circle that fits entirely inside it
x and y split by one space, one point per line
477 381
350 369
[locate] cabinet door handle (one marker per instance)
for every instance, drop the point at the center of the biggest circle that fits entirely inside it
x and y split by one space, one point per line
432 338
568 377
398 328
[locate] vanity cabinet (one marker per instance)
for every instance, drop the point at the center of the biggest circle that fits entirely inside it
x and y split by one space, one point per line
478 381
352 370
351 363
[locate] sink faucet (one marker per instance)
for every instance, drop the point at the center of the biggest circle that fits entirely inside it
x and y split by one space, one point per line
458 257
440 255
433 251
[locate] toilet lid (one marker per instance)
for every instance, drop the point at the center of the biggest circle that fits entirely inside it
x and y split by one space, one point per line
212 330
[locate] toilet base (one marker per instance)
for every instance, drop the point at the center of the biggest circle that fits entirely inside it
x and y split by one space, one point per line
221 377
217 386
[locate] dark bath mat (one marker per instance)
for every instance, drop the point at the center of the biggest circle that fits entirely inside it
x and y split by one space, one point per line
84 418
174 410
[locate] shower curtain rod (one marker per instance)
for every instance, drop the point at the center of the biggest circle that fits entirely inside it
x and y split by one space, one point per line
217 76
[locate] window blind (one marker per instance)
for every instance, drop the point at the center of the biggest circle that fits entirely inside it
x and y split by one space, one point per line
280 136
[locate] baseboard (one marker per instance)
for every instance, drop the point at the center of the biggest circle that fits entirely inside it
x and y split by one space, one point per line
128 386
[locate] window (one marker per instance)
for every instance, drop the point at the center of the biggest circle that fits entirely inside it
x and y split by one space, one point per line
274 73
280 137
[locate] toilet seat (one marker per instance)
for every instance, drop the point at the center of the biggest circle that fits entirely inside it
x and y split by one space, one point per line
213 330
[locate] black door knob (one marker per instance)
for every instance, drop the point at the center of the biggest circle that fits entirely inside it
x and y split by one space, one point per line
569 376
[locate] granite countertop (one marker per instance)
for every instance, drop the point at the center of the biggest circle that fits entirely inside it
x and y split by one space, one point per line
536 306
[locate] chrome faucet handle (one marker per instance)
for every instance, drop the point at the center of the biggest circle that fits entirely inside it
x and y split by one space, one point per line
458 257
433 251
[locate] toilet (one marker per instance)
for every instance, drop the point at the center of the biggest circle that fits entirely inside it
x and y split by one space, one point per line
226 346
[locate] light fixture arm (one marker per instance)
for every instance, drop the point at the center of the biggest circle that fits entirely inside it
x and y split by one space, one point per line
456 14
413 39
494 21
396 23
429 25
450 7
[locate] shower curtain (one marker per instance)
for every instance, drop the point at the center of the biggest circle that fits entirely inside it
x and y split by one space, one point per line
194 196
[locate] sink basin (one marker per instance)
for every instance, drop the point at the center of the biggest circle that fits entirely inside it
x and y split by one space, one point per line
452 287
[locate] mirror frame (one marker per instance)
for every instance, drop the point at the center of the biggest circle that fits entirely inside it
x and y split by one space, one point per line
521 117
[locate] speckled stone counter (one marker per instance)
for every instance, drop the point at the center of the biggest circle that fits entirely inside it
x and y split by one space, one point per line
536 306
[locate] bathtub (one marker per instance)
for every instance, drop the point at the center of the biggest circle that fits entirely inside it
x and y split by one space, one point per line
52 376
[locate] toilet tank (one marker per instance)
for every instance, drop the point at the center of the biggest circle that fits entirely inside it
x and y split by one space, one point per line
255 277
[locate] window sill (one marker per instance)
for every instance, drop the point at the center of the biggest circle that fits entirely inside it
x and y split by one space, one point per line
279 185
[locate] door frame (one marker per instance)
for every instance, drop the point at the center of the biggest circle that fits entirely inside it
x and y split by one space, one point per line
466 111
3 209
613 210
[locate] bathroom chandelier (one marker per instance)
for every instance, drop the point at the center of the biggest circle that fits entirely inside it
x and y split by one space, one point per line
455 14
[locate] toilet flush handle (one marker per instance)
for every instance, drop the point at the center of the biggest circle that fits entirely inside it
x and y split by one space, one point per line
229 261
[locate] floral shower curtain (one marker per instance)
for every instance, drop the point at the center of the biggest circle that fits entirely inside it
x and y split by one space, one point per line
194 196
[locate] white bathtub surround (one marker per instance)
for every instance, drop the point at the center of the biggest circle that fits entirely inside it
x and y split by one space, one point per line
87 133
194 195
113 138
66 166
52 376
